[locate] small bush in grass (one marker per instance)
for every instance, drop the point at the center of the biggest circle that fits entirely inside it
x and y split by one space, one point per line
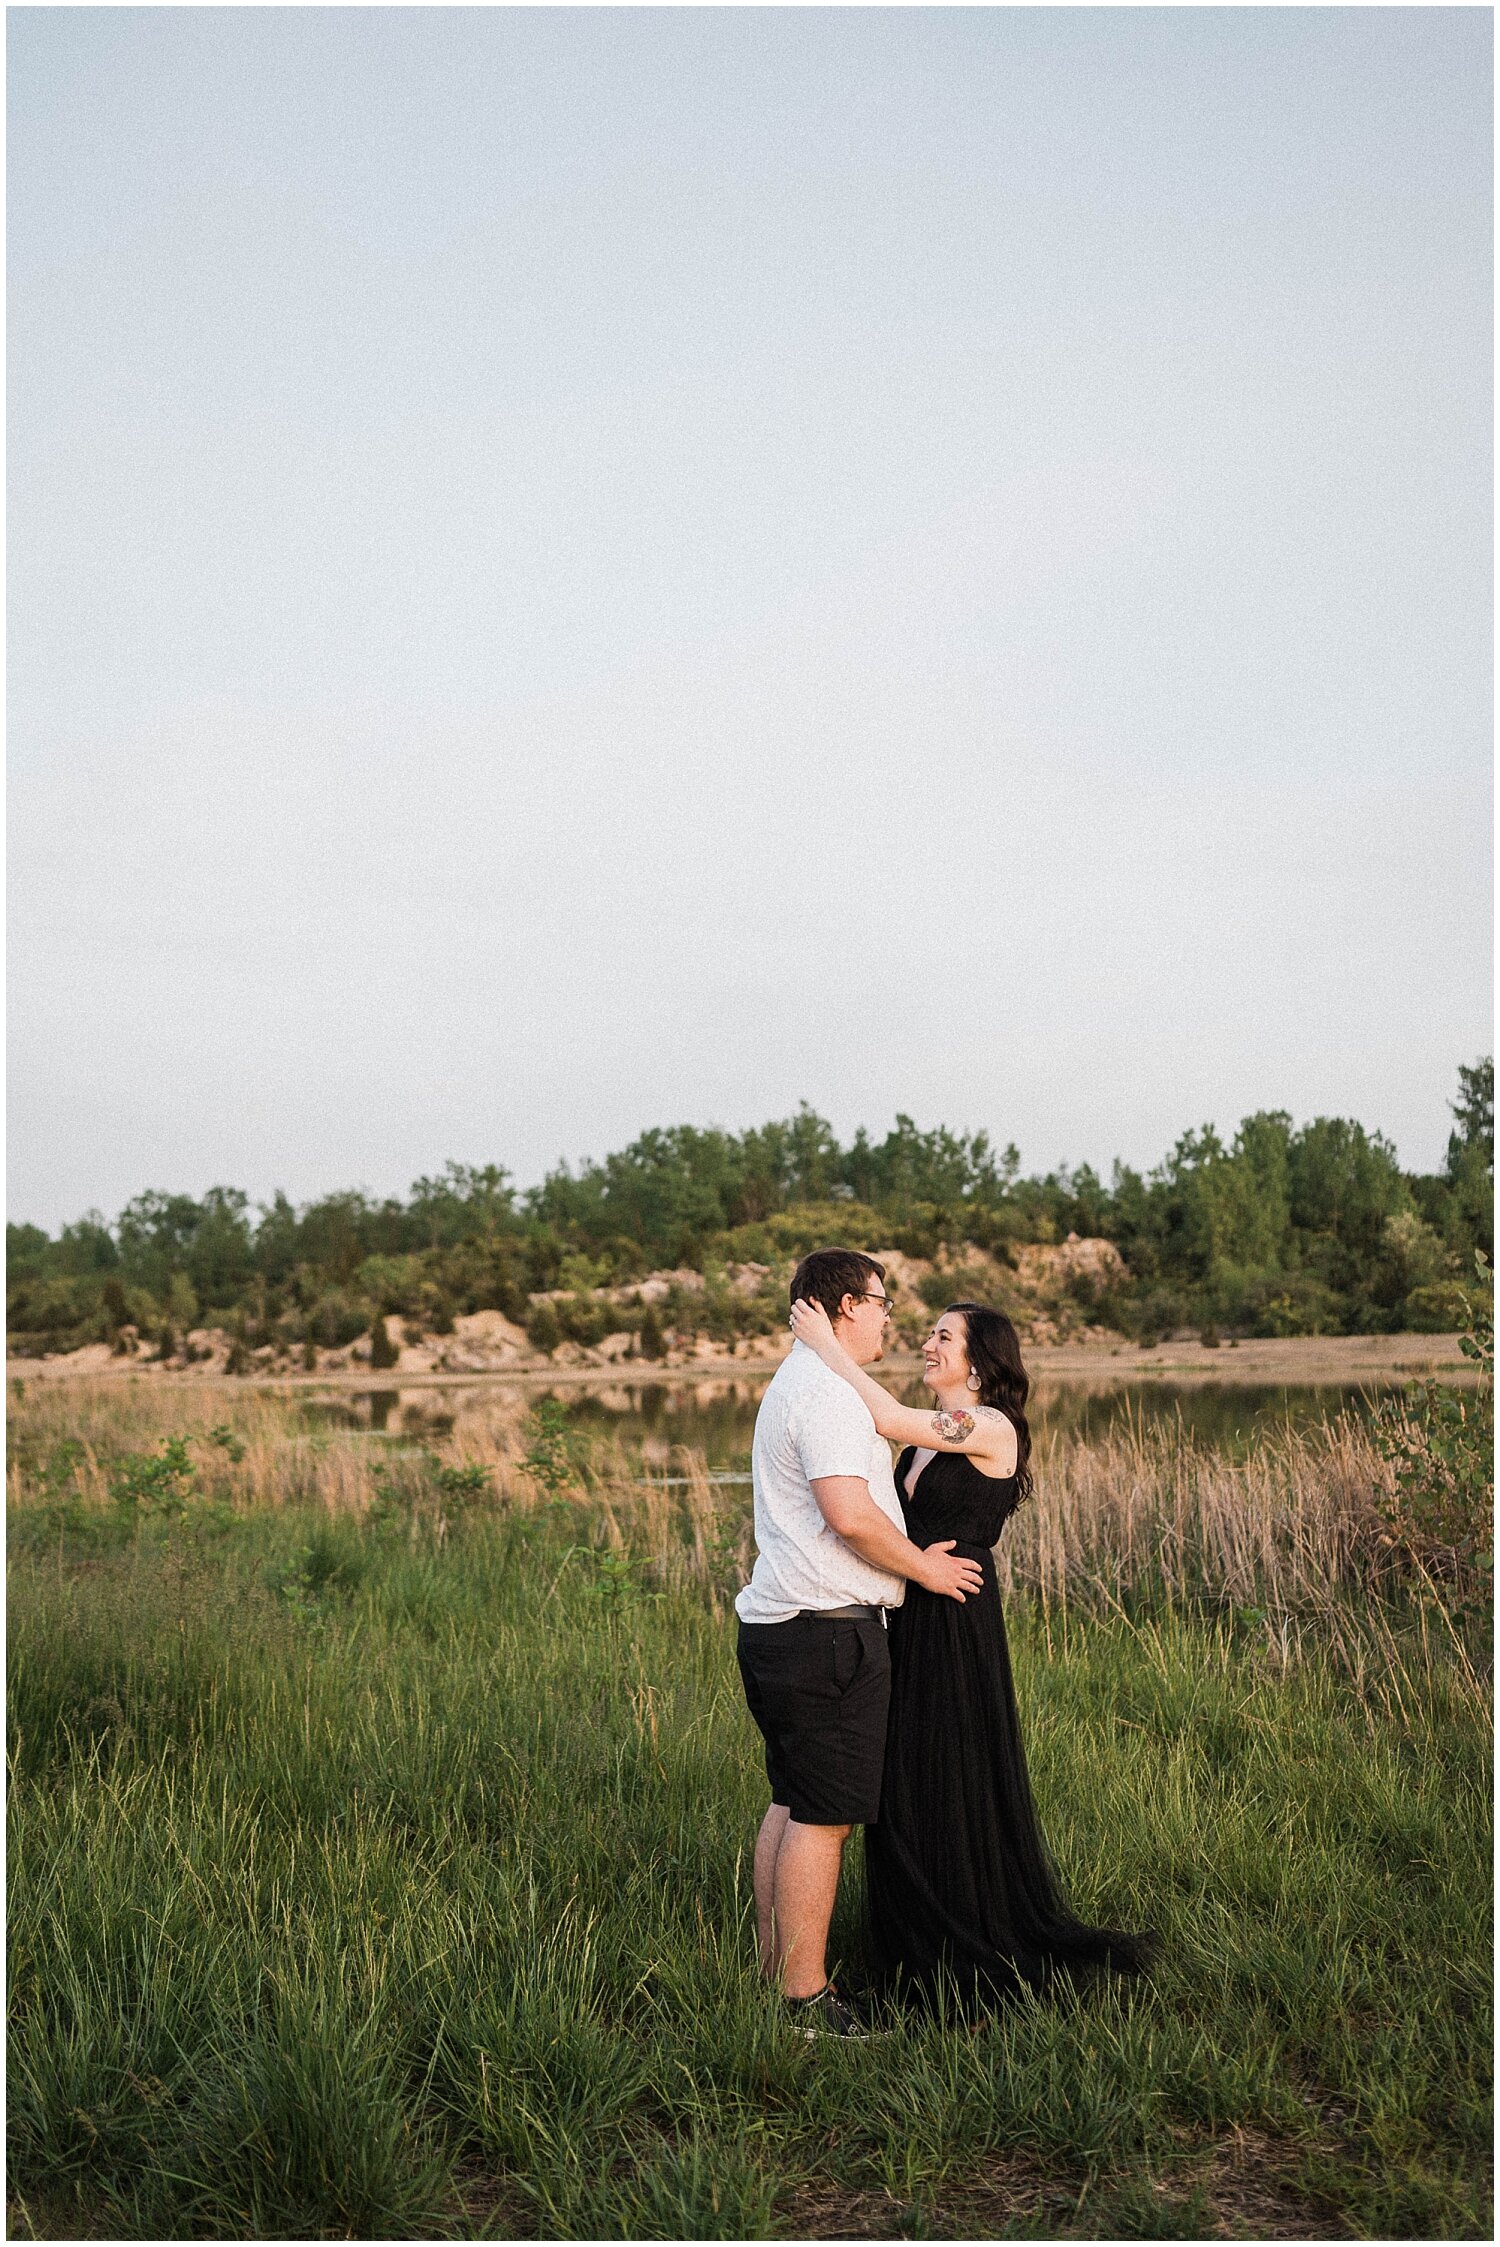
164 1482
557 1453
463 1486
1441 1442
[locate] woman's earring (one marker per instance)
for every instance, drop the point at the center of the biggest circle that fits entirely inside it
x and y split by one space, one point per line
975 1383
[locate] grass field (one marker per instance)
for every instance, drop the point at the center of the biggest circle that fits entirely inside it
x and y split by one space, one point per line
380 1867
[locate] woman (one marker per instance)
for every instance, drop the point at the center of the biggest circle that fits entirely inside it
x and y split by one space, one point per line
961 1890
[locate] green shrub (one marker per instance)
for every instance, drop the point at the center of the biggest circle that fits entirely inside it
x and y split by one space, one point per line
1160 1313
542 1329
384 1351
155 1482
1441 1442
336 1320
394 1282
238 1360
557 1454
582 1273
586 1319
1300 1303
1438 1308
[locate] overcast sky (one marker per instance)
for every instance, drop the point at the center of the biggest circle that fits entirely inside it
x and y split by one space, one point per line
579 570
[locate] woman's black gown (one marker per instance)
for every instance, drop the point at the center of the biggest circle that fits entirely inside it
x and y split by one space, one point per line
960 1888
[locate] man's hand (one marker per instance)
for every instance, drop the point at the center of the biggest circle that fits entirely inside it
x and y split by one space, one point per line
846 1505
946 1574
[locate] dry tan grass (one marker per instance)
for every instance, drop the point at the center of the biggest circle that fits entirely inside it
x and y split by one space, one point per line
1291 1527
1301 1514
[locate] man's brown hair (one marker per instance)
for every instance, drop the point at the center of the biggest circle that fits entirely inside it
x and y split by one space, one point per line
829 1274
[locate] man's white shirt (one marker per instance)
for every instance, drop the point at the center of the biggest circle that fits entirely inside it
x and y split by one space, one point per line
811 1424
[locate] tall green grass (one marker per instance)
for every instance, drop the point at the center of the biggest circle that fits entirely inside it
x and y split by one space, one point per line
388 1875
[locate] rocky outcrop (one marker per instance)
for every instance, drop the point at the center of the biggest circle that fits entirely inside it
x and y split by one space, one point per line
1045 1287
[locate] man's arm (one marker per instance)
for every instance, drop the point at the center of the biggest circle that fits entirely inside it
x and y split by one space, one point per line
846 1505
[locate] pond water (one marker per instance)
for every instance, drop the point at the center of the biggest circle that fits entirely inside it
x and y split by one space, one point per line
718 1417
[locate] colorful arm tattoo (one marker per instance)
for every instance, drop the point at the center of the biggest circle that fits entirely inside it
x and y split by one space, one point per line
953 1427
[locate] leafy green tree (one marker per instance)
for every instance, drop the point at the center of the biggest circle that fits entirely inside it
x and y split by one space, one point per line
384 1352
1467 1214
948 1170
337 1318
1474 1112
29 1252
670 1190
1343 1181
1276 1231
209 1240
395 1283
278 1244
336 1234
87 1246
221 1259
466 1202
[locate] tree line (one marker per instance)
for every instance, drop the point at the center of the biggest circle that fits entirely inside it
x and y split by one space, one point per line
1283 1229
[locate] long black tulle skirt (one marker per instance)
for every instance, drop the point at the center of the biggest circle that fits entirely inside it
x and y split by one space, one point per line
961 1892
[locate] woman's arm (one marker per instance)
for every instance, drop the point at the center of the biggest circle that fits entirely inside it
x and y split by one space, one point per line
979 1430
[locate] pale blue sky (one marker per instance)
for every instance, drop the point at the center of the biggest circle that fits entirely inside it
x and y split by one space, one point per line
572 570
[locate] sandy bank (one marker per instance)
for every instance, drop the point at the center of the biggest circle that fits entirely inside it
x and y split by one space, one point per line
1338 1360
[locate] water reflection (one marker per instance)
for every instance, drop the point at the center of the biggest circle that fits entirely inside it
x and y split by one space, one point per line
718 1417
1229 1419
382 1412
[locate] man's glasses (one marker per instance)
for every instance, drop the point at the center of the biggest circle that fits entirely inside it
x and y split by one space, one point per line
885 1302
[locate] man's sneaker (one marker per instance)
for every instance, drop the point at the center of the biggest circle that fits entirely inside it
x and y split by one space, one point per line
826 2013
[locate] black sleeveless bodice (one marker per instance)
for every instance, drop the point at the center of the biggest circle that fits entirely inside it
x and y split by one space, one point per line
959 1884
953 1499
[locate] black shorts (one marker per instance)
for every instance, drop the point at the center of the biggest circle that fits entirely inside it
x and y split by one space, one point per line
819 1687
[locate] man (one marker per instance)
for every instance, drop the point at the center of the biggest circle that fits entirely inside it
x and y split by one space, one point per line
831 1558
